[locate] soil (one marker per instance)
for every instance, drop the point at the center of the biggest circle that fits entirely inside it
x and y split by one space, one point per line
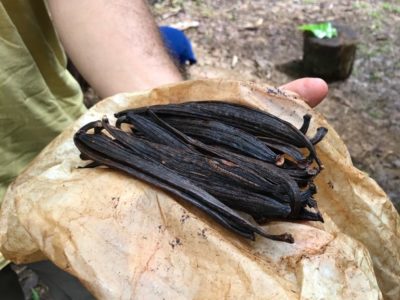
259 40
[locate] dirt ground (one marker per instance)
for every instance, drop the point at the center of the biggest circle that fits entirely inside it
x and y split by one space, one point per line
257 40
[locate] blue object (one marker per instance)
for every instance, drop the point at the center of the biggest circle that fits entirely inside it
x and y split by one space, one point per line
178 45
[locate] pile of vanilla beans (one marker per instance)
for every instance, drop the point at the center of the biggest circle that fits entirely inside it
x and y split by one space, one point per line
220 157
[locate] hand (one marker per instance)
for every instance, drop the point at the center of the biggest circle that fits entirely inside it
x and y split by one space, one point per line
313 90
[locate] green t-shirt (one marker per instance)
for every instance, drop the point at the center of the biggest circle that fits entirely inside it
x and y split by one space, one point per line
38 96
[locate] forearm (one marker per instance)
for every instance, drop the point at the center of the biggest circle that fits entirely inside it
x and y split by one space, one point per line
114 44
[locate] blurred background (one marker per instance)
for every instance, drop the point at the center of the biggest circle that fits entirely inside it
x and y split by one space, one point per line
259 41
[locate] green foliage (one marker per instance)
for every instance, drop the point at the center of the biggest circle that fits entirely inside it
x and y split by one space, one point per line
321 30
390 7
360 5
35 295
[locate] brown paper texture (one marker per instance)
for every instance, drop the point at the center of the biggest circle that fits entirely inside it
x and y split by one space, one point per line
125 239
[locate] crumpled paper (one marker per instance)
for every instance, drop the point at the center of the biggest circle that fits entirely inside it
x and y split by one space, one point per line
125 239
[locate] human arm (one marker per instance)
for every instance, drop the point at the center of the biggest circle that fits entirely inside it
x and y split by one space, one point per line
114 44
117 47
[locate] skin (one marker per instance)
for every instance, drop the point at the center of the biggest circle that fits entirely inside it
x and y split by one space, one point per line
117 47
314 90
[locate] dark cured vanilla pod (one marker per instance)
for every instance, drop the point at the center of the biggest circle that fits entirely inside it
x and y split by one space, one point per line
319 135
251 120
154 132
214 156
103 149
284 148
194 165
279 183
217 133
291 189
306 123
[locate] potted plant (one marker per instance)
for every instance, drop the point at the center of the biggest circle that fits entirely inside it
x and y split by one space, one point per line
328 50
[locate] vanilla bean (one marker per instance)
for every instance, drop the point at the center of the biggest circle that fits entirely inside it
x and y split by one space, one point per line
219 157
219 134
248 119
115 156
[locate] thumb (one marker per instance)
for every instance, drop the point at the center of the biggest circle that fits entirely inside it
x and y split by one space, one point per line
313 90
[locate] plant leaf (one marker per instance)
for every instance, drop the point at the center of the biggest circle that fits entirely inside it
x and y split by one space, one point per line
35 295
320 30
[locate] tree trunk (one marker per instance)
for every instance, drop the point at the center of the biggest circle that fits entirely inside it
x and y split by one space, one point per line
330 59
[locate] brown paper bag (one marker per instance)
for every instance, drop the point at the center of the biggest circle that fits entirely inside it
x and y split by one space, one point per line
125 239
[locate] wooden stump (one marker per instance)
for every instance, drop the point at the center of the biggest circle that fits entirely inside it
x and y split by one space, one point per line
330 59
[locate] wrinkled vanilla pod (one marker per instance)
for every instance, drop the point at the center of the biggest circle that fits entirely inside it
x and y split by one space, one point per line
219 157
101 148
217 133
251 120
199 168
276 186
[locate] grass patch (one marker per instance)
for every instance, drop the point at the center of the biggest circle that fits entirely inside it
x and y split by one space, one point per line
391 7
360 5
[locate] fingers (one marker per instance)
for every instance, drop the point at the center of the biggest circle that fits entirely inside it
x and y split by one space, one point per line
313 90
